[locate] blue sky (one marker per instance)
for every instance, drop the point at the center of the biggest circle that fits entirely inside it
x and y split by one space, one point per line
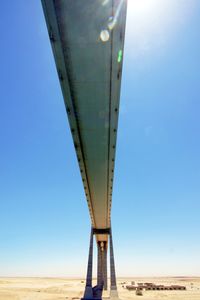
44 220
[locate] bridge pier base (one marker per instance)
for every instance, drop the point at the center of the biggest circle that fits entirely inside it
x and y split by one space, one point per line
102 246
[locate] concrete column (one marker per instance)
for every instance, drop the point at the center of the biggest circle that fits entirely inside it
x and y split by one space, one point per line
88 289
113 283
104 265
99 264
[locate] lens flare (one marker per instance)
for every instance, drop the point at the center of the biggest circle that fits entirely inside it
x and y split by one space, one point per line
104 35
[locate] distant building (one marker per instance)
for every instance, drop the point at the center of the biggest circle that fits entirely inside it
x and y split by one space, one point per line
148 286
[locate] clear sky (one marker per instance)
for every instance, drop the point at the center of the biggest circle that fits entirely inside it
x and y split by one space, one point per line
44 220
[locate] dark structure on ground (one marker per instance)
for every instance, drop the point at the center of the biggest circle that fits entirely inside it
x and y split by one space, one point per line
154 287
87 38
139 292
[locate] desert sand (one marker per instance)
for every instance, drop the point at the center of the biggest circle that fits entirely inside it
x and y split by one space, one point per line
72 289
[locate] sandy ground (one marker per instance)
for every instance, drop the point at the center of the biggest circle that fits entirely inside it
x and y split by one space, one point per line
72 289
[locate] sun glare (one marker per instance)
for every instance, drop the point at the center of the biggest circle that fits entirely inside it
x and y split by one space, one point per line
152 23
148 13
143 6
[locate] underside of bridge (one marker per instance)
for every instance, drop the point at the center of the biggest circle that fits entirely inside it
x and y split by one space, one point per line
87 38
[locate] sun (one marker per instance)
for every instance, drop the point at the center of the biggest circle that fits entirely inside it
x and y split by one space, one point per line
143 6
153 24
148 11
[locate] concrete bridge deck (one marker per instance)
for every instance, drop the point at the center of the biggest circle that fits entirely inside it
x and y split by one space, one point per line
89 70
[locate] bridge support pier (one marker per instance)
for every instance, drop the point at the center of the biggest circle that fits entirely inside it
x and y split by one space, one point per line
102 247
104 266
100 279
88 288
113 282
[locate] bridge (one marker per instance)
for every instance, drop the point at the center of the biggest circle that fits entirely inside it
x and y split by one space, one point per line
87 38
